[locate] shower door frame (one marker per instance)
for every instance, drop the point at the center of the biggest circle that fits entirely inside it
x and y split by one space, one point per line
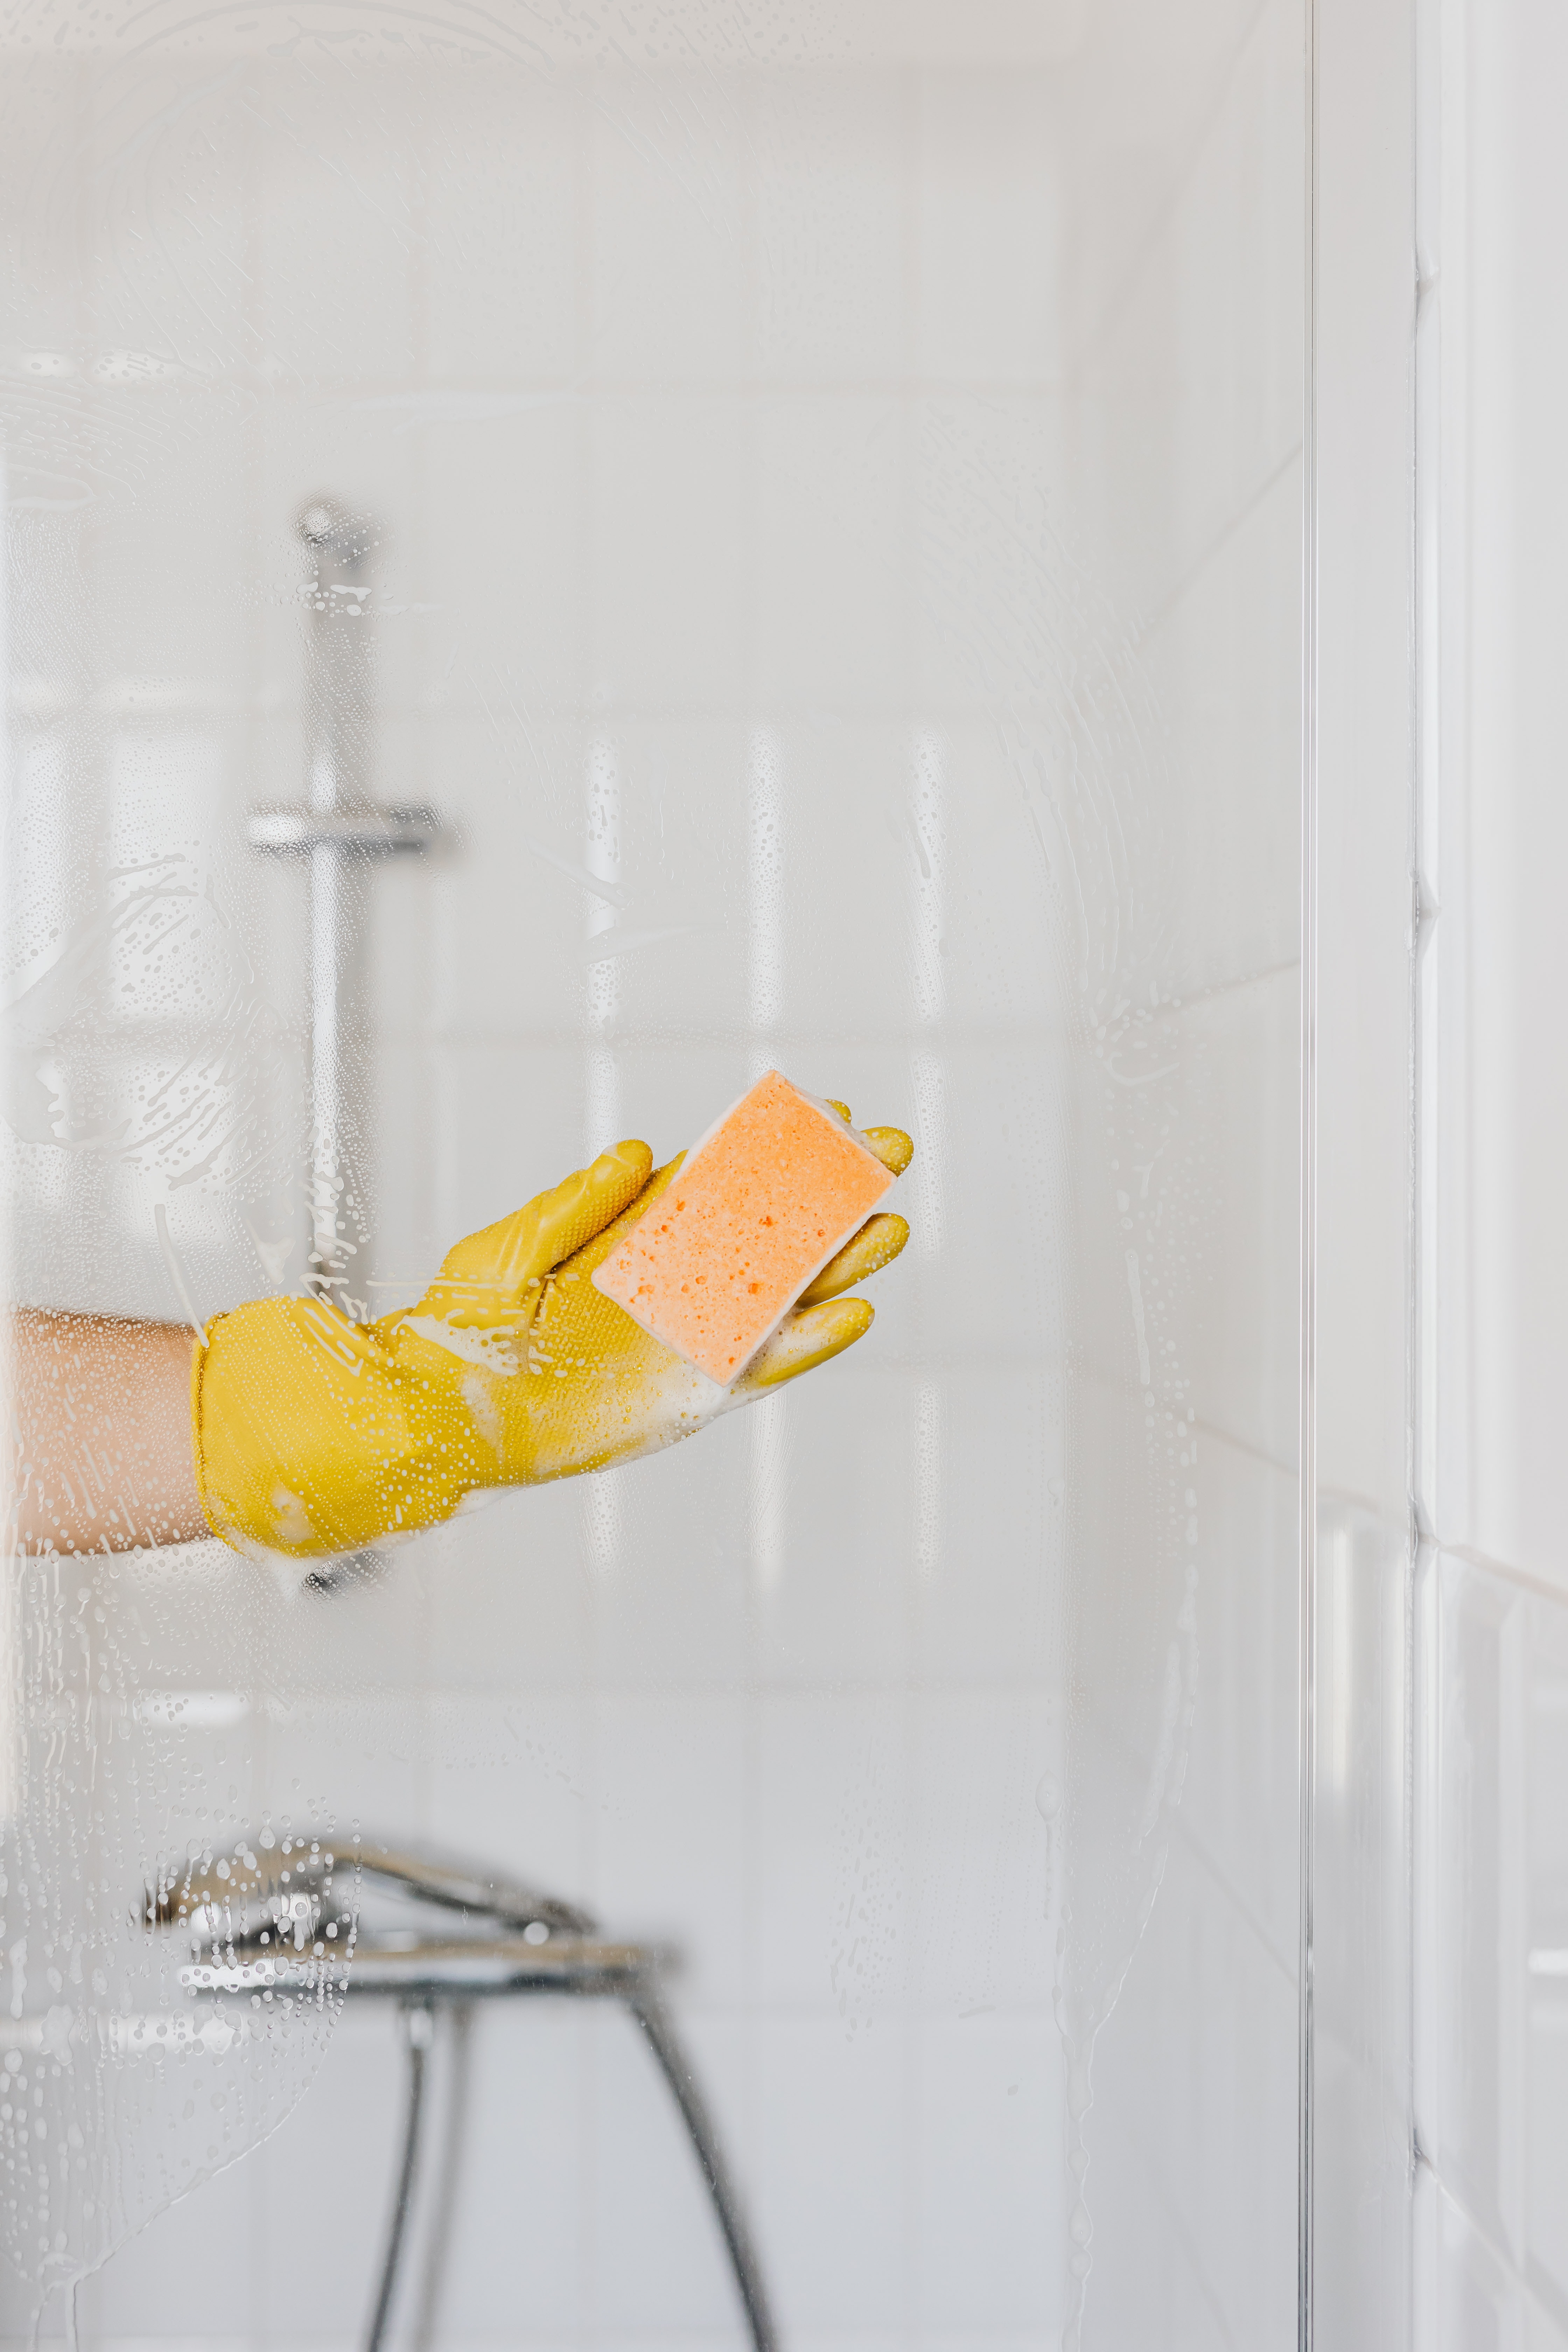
1362 931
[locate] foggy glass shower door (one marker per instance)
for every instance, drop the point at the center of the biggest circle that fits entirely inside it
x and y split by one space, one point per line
813 554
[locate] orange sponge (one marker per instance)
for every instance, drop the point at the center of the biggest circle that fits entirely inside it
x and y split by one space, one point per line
770 1193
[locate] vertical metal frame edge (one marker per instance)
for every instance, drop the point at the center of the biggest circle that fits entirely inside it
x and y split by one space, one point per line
1359 1170
1306 1483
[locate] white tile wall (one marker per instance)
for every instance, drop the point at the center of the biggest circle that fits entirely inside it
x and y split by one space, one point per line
1492 2253
1492 1886
502 195
1183 1872
1193 375
832 411
1208 2013
986 188
834 184
1469 2294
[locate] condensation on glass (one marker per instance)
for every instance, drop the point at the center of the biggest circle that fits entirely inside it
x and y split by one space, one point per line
796 515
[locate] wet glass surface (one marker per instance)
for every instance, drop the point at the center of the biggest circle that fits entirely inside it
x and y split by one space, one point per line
554 565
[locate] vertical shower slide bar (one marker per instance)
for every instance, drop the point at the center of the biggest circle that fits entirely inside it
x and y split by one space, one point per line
336 714
339 831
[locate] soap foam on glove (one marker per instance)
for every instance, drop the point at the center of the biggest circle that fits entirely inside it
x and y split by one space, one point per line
760 1204
315 1434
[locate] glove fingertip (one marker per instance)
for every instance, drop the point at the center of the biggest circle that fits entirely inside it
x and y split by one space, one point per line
892 1147
878 1243
550 1228
806 1338
634 1156
609 1186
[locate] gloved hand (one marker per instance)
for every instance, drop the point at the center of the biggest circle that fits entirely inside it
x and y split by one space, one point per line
313 1434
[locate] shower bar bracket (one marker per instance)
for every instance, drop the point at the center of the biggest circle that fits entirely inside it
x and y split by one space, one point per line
355 832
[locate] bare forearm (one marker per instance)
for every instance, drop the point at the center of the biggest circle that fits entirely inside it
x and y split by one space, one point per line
100 1433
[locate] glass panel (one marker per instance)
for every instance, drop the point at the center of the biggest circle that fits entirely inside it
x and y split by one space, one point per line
554 567
1179 1973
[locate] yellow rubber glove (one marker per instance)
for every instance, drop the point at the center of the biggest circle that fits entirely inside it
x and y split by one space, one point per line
313 1434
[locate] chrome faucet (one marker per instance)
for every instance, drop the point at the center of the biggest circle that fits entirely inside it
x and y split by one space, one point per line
264 1919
